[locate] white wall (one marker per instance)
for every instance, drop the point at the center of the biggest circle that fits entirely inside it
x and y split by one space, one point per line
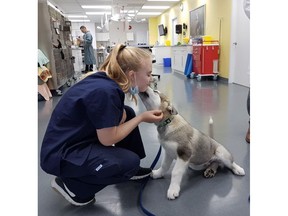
140 31
77 32
117 32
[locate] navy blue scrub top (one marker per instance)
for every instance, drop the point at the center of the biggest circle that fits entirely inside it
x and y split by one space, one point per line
93 103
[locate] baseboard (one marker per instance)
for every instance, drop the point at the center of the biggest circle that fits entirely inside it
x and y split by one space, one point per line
222 79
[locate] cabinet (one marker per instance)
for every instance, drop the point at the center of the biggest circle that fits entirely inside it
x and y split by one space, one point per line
55 41
130 36
205 60
179 57
161 52
102 36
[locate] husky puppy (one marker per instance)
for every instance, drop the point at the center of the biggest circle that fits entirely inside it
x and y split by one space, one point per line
184 143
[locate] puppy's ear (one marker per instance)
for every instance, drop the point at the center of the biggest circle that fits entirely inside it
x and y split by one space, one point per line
172 110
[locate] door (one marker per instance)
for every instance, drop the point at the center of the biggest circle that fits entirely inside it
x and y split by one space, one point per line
174 35
240 45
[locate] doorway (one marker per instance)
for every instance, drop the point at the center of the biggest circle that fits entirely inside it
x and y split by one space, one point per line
174 35
240 46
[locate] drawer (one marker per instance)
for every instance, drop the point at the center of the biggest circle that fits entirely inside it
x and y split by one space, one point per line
197 52
197 63
197 67
196 56
197 48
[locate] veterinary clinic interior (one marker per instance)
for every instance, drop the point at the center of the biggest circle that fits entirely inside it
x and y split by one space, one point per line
201 61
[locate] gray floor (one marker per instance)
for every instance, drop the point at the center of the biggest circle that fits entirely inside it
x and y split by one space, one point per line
223 195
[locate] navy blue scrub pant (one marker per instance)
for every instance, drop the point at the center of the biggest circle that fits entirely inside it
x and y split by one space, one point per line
105 165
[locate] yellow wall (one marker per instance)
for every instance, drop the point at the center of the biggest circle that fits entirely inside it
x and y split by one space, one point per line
153 35
217 24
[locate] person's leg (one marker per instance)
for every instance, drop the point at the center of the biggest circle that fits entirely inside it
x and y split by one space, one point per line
133 141
104 166
86 69
247 138
91 67
248 103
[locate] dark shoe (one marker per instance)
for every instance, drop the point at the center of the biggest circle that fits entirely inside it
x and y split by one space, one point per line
248 135
91 68
58 185
142 173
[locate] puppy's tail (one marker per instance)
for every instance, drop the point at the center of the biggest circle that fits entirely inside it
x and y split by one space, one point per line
211 132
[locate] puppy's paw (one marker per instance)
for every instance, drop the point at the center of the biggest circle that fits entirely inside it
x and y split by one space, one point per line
237 170
209 173
173 192
157 174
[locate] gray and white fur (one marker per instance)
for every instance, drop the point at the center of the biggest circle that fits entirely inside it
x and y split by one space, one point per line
185 144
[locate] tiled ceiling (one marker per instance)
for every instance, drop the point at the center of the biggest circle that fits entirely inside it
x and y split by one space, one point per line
73 7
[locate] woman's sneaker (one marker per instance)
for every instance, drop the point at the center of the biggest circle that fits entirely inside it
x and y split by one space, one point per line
142 173
59 186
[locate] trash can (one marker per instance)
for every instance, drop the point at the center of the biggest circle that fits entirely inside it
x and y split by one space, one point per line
167 62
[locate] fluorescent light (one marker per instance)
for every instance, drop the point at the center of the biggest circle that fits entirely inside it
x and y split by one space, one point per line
130 11
149 13
77 16
98 13
96 6
79 20
155 7
164 0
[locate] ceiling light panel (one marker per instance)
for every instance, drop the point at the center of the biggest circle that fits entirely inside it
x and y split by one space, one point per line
79 20
96 6
155 7
149 13
77 16
99 13
163 0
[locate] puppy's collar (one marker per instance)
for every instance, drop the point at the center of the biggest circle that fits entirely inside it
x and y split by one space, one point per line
166 121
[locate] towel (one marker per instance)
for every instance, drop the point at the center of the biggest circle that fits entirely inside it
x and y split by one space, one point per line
42 59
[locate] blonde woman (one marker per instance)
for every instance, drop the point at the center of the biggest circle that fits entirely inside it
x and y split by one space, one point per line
92 139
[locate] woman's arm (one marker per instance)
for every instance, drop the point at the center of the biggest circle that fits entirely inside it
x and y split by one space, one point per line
112 135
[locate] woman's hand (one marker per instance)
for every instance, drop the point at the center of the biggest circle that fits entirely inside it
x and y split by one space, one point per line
112 135
152 116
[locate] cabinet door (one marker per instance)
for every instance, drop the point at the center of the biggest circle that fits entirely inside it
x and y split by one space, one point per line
197 59
102 36
162 52
210 53
197 66
177 60
197 52
130 36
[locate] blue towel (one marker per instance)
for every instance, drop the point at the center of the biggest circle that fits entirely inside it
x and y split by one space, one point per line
42 59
